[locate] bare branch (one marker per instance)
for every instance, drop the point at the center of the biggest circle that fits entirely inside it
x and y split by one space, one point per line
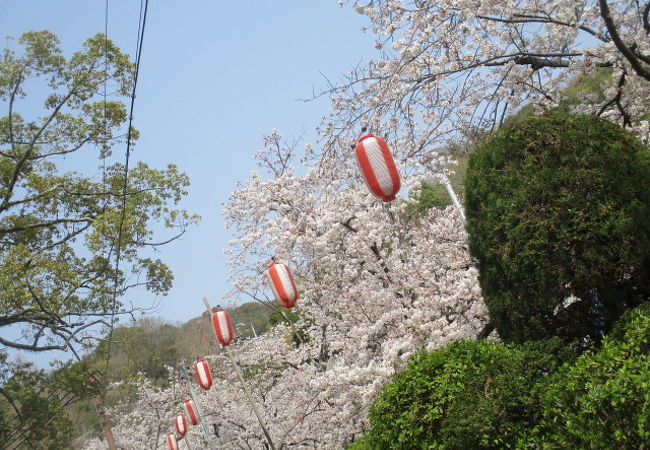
45 224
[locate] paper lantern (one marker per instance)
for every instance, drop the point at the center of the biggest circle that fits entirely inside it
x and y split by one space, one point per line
202 373
282 284
377 167
172 442
222 326
190 407
180 422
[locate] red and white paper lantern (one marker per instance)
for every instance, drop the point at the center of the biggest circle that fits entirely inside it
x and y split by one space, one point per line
202 373
377 166
190 407
172 442
222 326
282 284
180 422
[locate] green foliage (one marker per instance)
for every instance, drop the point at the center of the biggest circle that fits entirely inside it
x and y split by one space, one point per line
434 195
252 316
428 196
60 229
146 347
471 394
587 88
602 401
479 394
32 409
557 210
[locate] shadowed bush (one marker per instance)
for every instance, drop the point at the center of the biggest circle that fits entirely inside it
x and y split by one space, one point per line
557 212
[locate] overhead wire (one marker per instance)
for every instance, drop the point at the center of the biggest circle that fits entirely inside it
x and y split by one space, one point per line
118 248
104 149
118 251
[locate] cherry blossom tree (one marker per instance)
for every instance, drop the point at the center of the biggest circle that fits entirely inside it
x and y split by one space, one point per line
378 282
143 419
454 69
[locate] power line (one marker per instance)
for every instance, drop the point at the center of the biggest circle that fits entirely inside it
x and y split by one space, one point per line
104 149
118 253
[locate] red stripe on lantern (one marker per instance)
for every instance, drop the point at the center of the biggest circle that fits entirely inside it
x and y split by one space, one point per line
384 183
202 373
191 412
172 442
283 287
180 422
222 326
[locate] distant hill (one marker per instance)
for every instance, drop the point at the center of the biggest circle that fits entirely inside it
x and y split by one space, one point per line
153 343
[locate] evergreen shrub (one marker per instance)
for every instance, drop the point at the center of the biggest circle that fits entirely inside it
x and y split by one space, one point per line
558 210
470 394
602 400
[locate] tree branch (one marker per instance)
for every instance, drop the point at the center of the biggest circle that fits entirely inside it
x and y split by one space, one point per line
485 332
45 224
21 162
8 205
525 18
626 51
11 108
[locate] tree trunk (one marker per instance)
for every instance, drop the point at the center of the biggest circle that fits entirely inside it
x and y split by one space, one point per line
489 328
106 425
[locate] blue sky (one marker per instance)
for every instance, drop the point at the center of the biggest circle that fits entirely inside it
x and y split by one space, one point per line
215 76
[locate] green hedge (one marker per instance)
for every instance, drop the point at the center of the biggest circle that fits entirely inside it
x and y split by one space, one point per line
602 401
540 395
557 208
471 394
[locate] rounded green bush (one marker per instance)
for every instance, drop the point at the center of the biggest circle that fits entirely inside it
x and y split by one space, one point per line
470 394
558 211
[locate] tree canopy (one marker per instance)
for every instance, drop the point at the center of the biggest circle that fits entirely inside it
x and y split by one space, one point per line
66 210
453 70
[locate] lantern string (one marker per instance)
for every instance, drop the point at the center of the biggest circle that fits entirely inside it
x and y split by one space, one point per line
242 381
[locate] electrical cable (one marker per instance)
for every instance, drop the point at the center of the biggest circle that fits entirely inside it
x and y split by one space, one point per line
118 252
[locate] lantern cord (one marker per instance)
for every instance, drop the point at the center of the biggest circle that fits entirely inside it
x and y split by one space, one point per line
118 251
243 383
185 376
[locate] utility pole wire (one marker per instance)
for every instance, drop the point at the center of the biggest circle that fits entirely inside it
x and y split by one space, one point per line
118 253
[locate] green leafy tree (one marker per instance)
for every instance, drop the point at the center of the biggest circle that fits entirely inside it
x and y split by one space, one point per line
434 194
61 229
32 408
557 210
146 347
427 196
